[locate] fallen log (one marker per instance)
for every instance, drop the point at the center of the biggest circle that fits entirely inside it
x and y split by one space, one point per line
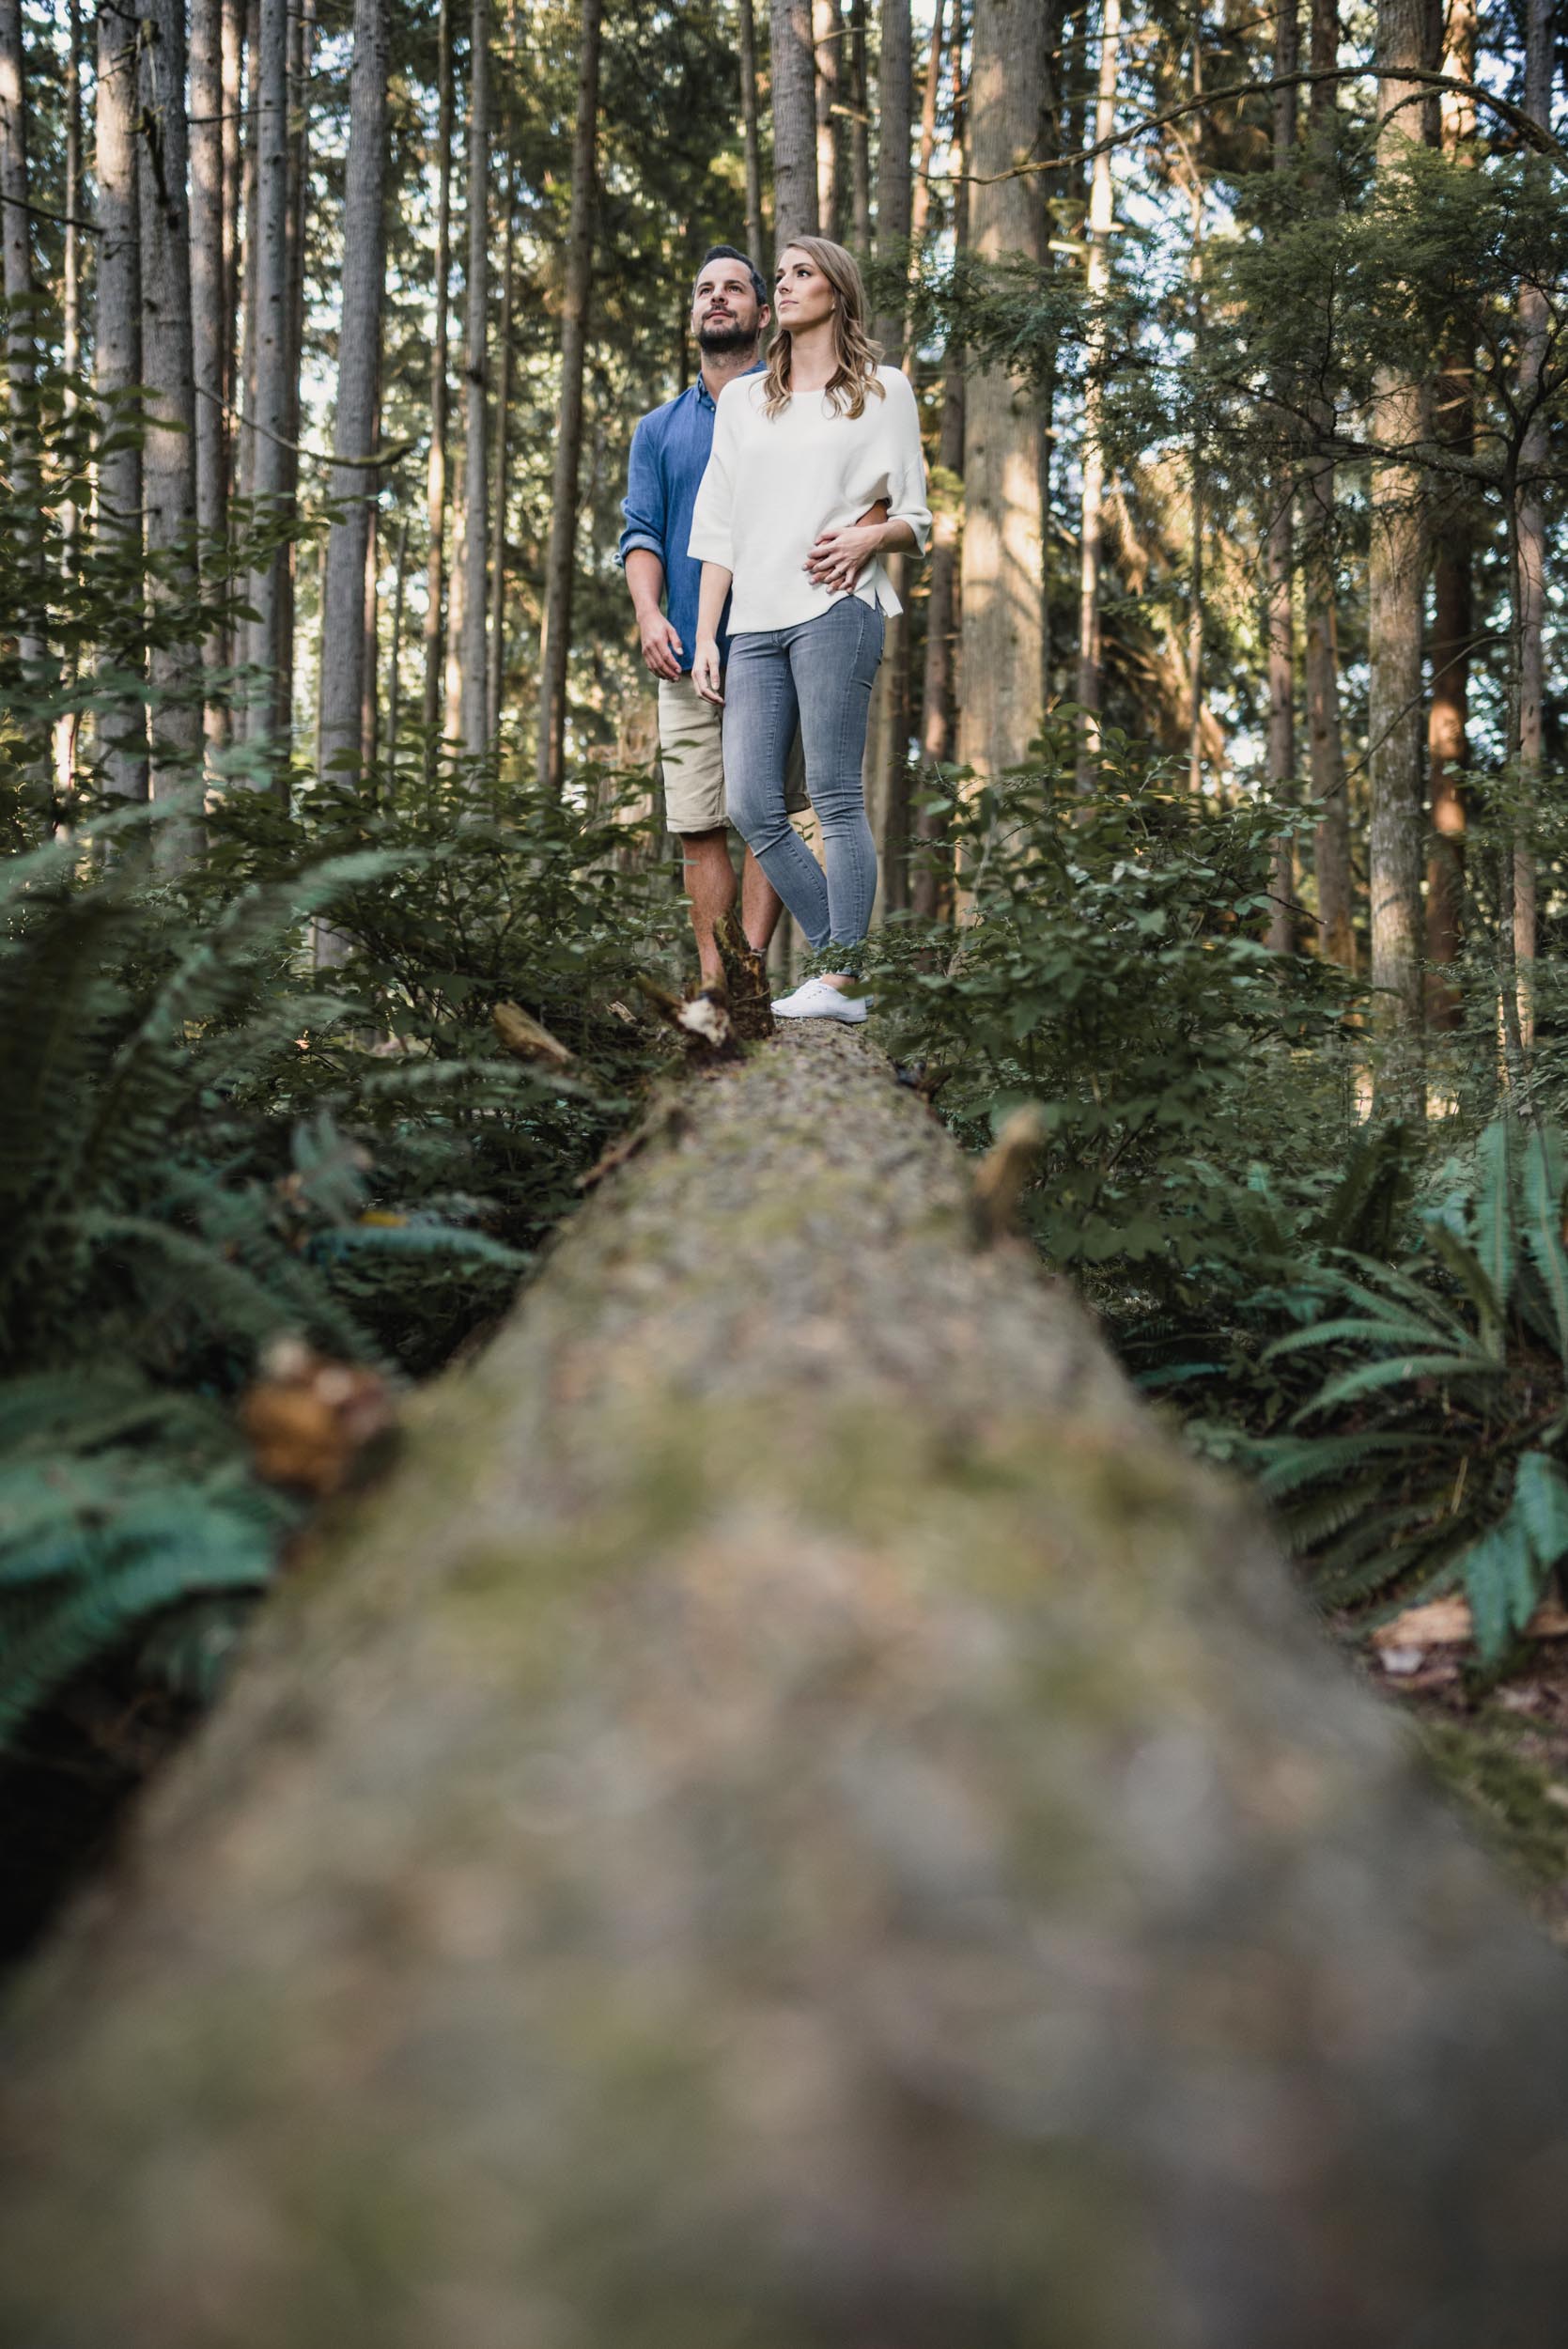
794 1817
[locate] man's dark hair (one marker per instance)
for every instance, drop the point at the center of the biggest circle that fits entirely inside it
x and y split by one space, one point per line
733 253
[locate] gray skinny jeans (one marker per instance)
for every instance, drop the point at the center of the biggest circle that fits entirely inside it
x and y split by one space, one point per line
817 675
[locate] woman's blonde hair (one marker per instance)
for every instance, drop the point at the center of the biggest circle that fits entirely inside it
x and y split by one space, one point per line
856 354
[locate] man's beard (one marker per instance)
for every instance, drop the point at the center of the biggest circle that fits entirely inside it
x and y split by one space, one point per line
719 339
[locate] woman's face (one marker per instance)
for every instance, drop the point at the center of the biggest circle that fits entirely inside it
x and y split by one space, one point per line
802 295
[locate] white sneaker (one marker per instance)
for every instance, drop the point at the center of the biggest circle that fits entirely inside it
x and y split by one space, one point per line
816 1000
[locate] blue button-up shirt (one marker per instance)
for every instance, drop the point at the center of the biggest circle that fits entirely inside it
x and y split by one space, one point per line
669 456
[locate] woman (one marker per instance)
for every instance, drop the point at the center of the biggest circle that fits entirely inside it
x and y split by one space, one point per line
798 452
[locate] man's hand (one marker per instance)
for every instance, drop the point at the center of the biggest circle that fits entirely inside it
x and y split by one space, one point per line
661 646
839 556
705 671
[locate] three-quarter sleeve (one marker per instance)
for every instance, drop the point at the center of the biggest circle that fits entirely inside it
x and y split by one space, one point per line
906 462
711 540
644 504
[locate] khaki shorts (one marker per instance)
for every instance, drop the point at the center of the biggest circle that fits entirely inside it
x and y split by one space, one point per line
691 747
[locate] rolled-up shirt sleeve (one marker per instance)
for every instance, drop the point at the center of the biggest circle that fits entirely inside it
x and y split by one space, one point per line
644 503
906 465
711 540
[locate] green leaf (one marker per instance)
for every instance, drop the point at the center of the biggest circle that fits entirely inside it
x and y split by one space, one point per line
1492 1214
1502 1582
1543 1225
1541 1503
1370 1376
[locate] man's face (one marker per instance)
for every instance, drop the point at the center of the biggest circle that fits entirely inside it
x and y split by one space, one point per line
725 312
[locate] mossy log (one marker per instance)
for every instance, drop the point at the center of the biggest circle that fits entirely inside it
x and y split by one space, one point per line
795 1817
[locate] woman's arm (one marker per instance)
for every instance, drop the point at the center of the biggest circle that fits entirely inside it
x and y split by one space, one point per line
710 611
839 556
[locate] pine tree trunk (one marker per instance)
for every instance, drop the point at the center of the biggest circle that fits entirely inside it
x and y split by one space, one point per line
1395 600
476 388
1331 866
919 194
169 449
931 881
895 116
1530 532
1003 616
435 486
794 205
1454 622
860 132
1092 527
116 369
247 251
795 1816
887 743
359 359
233 38
210 307
1282 545
826 32
267 256
16 239
395 662
496 675
757 242
70 321
302 37
555 643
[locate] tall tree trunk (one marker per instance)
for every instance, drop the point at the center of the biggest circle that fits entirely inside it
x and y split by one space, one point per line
456 616
231 144
476 388
756 244
247 243
930 890
64 725
267 256
1454 620
1092 532
555 645
169 452
495 675
1530 534
919 196
1324 738
359 356
210 304
17 241
860 132
794 205
1003 618
1395 599
826 32
117 368
395 662
435 484
302 38
1281 540
888 758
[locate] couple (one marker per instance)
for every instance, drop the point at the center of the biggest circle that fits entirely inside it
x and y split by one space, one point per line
758 505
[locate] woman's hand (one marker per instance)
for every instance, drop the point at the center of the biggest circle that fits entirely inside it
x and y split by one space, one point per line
706 671
839 556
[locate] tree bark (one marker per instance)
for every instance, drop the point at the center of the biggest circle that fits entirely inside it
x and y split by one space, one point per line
435 487
756 241
476 390
359 360
169 448
495 677
1282 543
1091 528
1325 740
1395 600
231 145
794 205
931 881
826 32
209 309
919 194
16 242
1003 616
887 745
556 640
860 132
1530 536
247 251
859 1845
301 39
70 321
895 113
116 370
266 255
1453 621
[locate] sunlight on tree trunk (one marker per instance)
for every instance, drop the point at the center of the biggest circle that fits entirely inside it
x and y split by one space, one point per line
794 76
826 30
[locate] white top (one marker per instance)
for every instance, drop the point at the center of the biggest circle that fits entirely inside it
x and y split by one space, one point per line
774 484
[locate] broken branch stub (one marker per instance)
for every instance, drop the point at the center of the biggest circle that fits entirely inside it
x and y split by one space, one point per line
796 1817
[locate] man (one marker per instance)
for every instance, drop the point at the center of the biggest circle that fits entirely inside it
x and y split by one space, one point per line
668 455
